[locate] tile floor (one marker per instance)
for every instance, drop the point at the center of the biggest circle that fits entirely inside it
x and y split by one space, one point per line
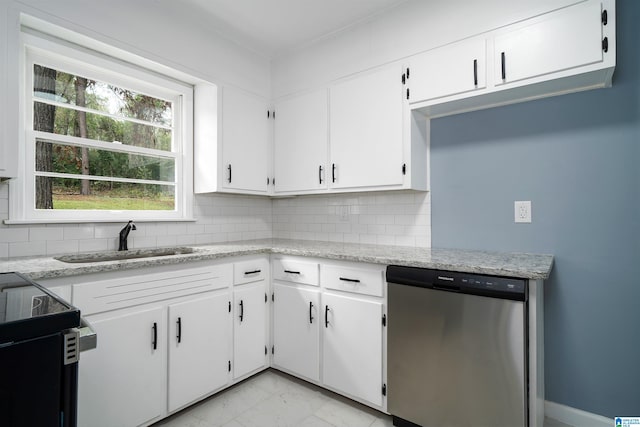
274 399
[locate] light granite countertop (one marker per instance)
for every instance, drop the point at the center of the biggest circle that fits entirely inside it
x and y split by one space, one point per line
521 265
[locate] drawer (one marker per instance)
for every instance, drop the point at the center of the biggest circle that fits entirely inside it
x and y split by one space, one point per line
367 280
252 270
295 270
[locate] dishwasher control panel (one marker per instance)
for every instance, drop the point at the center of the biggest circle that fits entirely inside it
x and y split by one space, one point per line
475 284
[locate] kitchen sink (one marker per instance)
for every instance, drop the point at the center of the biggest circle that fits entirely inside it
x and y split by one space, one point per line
123 255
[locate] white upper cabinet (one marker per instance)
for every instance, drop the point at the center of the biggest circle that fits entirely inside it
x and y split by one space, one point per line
245 142
300 143
563 51
449 70
366 130
559 41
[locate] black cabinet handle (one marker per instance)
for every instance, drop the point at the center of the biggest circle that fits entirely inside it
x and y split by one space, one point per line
179 334
326 319
229 169
154 342
320 174
241 311
310 314
504 68
292 272
475 72
344 279
246 273
605 44
333 172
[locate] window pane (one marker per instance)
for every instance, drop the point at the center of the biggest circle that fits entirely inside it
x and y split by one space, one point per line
71 89
70 159
105 195
94 126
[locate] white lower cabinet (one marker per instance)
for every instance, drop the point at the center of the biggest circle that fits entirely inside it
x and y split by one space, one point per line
249 328
199 348
123 381
329 325
296 339
352 350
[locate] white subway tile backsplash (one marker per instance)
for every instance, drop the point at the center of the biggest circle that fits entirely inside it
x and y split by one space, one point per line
393 218
26 248
57 247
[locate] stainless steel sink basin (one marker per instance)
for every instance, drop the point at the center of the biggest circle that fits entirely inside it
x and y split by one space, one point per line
123 255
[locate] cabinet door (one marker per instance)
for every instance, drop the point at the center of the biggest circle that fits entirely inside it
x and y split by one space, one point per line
122 382
352 352
249 328
450 70
559 41
199 348
300 142
295 329
245 138
366 136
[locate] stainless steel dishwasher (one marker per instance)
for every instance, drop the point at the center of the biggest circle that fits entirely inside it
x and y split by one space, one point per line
457 349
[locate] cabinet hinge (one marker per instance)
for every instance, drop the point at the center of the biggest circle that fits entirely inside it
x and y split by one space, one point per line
229 306
384 320
605 44
404 169
384 389
404 80
407 73
605 17
273 349
407 93
273 114
229 365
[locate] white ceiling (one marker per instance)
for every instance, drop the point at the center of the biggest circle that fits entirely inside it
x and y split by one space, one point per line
272 27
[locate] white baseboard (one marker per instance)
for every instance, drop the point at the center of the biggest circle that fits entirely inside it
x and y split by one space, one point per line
575 417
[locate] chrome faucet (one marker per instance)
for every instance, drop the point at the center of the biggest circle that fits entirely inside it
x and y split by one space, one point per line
124 233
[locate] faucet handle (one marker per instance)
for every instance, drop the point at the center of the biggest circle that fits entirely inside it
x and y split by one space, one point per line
133 226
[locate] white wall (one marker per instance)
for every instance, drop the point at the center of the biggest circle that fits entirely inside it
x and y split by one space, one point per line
413 27
160 31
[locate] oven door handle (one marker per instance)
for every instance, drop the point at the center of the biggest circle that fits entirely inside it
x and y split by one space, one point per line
88 336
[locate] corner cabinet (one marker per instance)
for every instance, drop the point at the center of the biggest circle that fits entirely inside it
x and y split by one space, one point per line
329 325
563 51
300 143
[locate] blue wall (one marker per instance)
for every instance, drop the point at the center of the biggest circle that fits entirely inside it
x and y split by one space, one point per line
576 157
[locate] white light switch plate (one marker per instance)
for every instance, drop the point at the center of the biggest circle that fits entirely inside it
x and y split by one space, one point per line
522 212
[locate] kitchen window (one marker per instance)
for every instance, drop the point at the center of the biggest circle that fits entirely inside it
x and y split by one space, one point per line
103 139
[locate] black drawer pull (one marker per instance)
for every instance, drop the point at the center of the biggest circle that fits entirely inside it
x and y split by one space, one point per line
344 279
179 334
475 72
246 273
229 169
154 342
504 67
333 172
320 174
326 314
310 314
241 311
291 272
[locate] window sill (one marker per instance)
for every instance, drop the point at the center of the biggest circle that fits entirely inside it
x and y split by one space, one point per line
81 221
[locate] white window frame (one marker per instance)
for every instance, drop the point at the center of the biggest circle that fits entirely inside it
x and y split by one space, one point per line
64 56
